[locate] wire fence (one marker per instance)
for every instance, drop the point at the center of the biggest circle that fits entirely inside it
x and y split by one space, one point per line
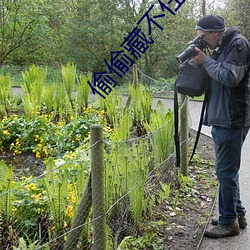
164 86
56 210
42 209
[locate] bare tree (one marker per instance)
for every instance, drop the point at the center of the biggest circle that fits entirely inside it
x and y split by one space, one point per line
20 22
203 7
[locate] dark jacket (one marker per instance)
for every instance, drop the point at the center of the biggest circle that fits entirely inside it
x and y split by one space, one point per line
228 103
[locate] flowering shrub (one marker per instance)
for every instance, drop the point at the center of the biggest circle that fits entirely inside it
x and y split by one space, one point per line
43 137
30 204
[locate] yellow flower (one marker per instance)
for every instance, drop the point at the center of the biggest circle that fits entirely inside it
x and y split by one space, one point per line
26 178
73 199
14 209
37 196
71 194
6 132
69 211
17 152
45 151
31 187
103 112
38 156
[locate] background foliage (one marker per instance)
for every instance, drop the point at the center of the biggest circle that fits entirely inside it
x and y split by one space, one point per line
84 32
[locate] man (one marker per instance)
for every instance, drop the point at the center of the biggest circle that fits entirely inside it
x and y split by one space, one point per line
228 112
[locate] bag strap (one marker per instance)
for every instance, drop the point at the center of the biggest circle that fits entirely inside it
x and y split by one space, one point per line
199 127
176 126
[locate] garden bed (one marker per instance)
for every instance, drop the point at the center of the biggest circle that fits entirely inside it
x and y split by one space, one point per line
178 222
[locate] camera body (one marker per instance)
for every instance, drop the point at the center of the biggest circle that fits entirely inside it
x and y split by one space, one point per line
190 51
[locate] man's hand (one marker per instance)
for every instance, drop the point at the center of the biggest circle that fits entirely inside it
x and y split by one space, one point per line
200 58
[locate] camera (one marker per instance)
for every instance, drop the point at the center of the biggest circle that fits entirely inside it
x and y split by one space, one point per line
190 51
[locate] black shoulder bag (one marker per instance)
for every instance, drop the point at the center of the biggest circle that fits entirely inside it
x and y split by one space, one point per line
191 81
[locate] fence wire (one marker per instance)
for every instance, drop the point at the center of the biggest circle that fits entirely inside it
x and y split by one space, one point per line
162 87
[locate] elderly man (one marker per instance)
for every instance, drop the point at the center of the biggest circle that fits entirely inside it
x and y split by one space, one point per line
228 112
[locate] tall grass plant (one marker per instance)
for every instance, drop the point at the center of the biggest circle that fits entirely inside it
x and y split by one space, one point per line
5 91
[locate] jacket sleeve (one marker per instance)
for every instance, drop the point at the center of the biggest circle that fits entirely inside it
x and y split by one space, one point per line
234 66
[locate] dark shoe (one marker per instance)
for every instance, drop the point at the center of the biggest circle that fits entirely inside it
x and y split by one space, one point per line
221 231
241 219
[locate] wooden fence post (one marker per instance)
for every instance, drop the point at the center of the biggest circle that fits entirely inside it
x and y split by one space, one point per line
135 74
98 195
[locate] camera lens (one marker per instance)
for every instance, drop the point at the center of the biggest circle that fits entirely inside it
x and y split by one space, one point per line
190 50
187 53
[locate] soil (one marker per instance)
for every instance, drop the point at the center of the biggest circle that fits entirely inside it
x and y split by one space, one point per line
25 164
188 221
